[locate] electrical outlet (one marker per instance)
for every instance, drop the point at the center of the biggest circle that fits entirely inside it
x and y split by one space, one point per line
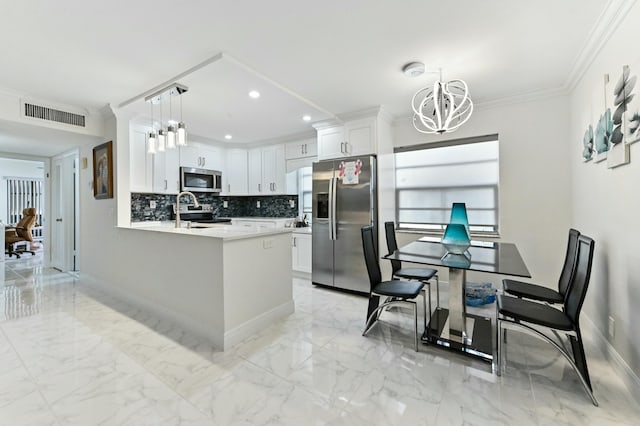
152 204
258 204
225 204
612 327
292 203
267 244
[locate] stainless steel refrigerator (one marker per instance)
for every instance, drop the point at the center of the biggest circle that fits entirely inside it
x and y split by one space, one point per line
344 200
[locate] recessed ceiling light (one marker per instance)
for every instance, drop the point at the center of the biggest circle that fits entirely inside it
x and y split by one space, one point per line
227 137
254 94
306 117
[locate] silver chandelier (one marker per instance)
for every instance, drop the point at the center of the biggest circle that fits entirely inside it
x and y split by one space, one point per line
441 108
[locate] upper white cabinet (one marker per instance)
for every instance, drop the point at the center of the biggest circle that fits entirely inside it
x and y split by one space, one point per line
141 163
267 170
301 149
166 172
255 171
235 177
202 157
356 137
274 170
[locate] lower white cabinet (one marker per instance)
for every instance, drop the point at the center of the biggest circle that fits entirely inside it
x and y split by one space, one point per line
301 252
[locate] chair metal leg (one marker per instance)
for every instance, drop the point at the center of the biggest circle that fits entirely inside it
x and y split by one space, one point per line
575 365
424 307
437 292
499 345
415 324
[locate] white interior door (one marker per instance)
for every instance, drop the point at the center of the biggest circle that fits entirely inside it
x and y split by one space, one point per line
63 217
57 215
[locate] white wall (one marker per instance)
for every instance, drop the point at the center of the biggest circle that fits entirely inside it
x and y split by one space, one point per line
16 168
535 188
606 203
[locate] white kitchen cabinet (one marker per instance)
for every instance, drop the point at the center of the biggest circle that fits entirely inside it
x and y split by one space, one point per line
267 170
166 172
357 137
202 157
274 170
301 149
255 171
301 252
235 177
140 162
331 143
260 222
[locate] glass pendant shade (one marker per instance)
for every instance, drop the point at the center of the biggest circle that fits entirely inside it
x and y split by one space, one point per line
171 137
459 215
456 238
152 143
182 134
161 140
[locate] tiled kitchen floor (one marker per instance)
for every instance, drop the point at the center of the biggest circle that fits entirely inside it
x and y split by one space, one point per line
71 355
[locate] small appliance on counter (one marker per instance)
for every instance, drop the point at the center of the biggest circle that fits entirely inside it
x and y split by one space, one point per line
201 214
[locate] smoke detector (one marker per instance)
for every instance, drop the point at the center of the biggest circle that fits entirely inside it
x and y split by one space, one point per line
413 69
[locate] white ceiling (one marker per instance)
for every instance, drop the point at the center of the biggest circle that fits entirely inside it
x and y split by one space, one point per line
339 56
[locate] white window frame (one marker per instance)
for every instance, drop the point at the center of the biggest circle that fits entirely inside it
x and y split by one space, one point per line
438 228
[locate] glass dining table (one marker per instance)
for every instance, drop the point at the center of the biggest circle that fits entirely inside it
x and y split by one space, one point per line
454 328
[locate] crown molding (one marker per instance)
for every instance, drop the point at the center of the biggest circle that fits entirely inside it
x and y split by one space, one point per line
606 25
534 95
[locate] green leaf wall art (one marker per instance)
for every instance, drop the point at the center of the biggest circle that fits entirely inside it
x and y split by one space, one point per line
604 130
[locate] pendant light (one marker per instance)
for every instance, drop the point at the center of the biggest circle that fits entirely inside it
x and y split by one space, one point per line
441 108
171 130
182 130
175 133
152 135
161 134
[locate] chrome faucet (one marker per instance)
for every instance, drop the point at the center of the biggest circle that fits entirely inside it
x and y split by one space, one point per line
195 203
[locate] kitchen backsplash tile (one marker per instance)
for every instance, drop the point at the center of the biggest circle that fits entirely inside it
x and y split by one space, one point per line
244 206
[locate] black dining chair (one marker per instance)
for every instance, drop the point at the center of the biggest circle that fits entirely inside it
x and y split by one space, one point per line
424 275
511 311
396 291
545 294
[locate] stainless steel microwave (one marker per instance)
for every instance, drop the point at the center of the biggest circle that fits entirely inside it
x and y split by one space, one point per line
200 180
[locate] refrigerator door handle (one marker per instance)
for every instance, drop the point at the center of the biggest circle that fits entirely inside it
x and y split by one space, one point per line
331 209
334 209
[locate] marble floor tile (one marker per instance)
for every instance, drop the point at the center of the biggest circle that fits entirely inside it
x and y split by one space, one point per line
72 354
29 410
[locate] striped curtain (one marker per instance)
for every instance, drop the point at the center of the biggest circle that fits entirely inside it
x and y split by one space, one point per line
21 194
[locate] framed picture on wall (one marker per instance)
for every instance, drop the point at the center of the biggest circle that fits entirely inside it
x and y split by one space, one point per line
103 171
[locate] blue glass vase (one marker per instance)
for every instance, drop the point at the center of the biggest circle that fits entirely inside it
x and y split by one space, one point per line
456 238
459 215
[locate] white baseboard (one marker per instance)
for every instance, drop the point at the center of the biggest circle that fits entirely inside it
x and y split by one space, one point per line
630 379
257 324
186 324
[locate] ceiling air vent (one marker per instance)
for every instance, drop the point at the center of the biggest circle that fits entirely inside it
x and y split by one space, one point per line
50 114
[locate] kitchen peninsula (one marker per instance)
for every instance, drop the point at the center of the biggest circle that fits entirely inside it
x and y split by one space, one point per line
222 282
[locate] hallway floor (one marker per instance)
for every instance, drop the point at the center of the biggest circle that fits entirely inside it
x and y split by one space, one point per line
72 355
